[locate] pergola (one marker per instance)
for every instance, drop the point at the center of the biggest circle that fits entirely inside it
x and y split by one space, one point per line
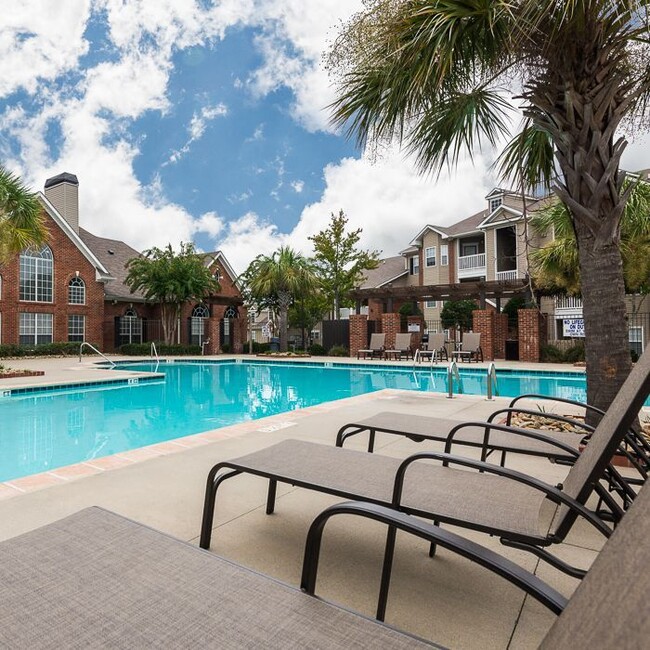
481 291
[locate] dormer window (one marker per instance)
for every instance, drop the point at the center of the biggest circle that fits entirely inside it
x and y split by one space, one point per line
495 203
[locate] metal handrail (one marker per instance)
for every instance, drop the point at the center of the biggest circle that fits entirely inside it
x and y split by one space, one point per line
153 352
452 371
94 349
492 383
433 359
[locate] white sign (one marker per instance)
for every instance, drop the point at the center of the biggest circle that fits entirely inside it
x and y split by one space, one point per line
573 327
414 327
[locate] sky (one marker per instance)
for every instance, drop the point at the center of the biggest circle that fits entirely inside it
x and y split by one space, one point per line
192 120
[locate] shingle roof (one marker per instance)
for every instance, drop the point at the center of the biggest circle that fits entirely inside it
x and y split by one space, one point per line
389 269
113 254
466 225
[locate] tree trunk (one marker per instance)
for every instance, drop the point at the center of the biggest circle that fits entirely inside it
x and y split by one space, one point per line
169 320
282 317
606 331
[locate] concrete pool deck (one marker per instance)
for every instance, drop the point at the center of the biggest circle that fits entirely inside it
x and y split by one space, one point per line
445 599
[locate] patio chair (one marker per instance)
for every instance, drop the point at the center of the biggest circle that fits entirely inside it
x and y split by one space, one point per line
495 500
470 348
437 344
375 348
607 610
402 347
98 580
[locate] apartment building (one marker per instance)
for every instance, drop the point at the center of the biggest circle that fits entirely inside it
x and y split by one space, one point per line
494 244
73 289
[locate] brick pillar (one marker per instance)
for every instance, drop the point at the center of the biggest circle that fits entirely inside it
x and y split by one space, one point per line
239 329
212 332
483 324
500 335
390 325
416 337
358 333
531 333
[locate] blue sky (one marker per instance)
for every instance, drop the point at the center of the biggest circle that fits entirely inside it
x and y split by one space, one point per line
205 121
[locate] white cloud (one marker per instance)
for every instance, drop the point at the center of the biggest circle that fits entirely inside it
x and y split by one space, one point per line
298 186
387 199
40 40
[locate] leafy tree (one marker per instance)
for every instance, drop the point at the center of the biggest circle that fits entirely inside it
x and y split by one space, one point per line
432 74
556 267
457 314
21 217
171 279
277 280
339 263
306 311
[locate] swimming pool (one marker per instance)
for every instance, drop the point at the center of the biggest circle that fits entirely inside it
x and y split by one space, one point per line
46 429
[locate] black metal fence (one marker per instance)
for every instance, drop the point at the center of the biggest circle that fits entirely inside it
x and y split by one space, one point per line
336 332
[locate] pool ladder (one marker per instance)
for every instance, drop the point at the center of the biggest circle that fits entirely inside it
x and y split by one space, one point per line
452 373
492 383
154 353
94 349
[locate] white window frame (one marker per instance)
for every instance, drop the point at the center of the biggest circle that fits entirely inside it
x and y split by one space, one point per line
431 304
638 329
444 254
414 265
430 256
74 331
42 326
495 203
76 291
35 265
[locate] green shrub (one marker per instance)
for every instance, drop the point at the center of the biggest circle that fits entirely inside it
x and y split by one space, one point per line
258 348
551 354
635 356
144 349
575 353
317 350
338 351
225 348
45 350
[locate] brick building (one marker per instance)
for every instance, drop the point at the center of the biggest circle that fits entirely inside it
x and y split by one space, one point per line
73 289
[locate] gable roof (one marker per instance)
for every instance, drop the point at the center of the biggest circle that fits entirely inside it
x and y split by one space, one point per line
102 273
467 226
388 270
217 257
114 254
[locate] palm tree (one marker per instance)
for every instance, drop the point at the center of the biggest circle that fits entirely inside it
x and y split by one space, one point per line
21 217
556 268
279 279
433 74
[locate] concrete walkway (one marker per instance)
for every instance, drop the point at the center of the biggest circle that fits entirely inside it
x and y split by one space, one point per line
446 599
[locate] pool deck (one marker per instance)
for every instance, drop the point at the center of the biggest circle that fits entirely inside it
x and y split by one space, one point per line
445 599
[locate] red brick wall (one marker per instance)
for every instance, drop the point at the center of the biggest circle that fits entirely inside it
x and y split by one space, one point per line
416 337
390 325
358 333
483 324
67 261
531 332
500 335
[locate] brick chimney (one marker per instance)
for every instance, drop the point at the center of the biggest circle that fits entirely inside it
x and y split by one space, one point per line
63 192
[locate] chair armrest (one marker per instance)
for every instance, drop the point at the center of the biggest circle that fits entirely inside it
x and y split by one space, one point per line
482 556
551 492
563 400
551 416
526 433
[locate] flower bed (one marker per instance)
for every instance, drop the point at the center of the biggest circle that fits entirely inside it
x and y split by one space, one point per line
9 373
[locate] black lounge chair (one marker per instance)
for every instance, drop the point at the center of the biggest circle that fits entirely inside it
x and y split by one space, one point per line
609 608
494 500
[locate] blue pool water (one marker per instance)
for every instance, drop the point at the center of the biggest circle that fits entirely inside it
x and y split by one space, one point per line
48 429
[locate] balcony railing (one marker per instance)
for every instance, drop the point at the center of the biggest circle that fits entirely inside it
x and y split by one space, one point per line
470 262
568 302
507 275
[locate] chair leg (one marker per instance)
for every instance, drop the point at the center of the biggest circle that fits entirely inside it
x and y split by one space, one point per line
387 567
213 483
270 497
432 547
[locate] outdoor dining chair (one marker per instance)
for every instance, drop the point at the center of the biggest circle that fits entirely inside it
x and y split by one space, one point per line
375 347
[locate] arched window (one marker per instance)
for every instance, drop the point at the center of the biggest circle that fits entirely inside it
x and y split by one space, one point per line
76 292
231 312
200 314
130 327
36 275
201 311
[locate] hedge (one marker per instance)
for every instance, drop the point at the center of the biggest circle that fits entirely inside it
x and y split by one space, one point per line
45 350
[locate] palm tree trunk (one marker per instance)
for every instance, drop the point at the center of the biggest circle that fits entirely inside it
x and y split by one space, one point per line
283 318
606 331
